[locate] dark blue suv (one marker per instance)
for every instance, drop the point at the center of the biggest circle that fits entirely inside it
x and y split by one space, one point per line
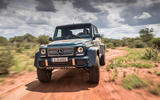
72 46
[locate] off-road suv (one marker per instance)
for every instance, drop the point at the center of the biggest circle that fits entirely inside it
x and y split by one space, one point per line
72 46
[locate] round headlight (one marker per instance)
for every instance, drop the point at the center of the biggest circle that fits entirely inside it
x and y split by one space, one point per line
80 49
43 51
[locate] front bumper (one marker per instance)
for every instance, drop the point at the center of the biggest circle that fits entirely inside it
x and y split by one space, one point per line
73 62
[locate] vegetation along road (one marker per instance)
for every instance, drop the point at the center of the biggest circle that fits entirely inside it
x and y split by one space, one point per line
117 82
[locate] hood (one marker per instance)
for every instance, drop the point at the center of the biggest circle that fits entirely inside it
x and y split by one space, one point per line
68 42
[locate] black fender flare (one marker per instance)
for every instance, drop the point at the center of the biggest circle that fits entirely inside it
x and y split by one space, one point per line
37 56
92 54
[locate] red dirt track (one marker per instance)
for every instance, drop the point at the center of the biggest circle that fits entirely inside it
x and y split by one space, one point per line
70 85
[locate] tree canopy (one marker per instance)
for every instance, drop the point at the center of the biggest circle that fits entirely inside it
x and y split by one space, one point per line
3 40
26 38
146 34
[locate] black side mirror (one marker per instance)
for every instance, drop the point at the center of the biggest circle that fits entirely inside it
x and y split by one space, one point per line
50 39
97 35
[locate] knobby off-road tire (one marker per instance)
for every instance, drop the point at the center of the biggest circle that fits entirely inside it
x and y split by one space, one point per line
103 60
44 75
94 73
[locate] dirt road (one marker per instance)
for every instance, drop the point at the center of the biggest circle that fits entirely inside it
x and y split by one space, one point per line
69 85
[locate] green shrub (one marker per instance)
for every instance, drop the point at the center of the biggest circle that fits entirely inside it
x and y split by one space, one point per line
137 44
32 55
156 43
1 80
155 90
124 74
109 45
115 75
158 73
141 65
106 50
30 69
108 68
3 41
27 46
151 54
43 39
19 50
18 45
25 38
117 62
6 61
131 45
158 59
113 48
132 82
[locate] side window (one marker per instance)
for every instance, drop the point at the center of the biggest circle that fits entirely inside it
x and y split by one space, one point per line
59 33
95 30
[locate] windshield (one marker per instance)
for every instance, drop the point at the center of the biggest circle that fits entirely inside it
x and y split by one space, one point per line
73 32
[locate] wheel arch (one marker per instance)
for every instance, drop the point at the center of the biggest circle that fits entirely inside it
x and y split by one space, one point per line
93 52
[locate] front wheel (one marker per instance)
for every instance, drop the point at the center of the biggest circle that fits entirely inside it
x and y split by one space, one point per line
44 75
94 73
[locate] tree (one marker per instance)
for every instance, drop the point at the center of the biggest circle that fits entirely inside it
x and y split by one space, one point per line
3 40
43 39
16 39
146 34
26 38
29 38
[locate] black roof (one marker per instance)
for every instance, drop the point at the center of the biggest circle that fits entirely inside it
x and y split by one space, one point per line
79 24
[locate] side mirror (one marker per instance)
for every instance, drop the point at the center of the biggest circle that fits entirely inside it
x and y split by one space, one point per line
97 35
50 39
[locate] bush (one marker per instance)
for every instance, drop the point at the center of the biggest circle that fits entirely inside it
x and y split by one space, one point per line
3 40
132 82
117 43
25 38
115 75
19 50
158 73
27 46
156 43
43 39
151 54
131 46
137 44
141 65
109 45
155 90
6 61
18 45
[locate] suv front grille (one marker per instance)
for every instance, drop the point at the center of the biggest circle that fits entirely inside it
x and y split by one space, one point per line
68 51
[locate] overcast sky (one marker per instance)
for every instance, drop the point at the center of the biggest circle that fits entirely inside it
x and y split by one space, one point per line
114 18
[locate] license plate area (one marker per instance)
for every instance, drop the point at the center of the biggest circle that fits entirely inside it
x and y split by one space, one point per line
62 59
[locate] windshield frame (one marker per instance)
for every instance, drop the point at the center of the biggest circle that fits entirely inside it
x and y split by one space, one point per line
73 26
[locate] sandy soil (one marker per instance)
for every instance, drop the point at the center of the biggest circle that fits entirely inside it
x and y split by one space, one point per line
70 85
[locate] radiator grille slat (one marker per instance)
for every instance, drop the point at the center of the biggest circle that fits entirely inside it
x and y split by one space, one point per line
66 52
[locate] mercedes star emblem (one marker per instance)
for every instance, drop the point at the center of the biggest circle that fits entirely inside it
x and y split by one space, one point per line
60 51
